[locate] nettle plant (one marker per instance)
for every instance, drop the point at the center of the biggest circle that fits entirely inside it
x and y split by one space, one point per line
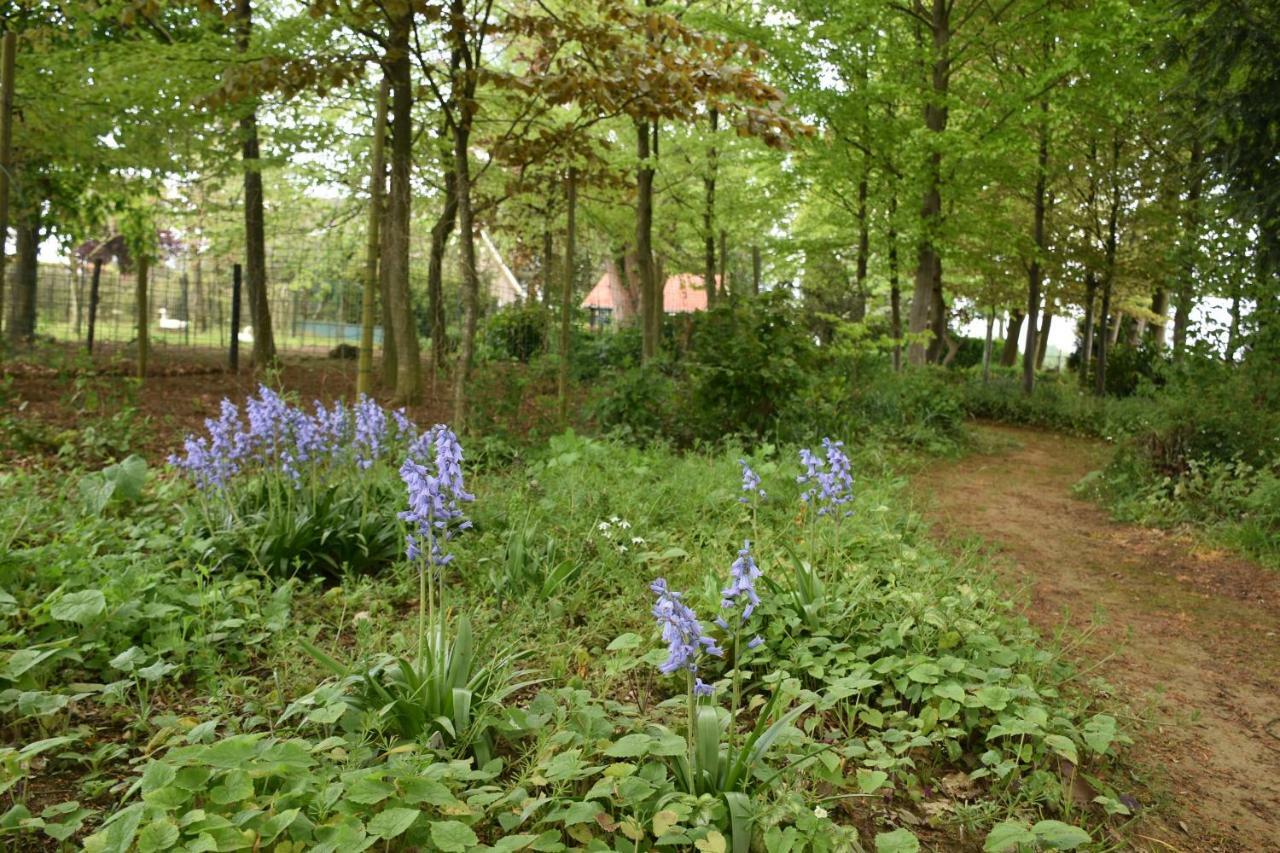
295 492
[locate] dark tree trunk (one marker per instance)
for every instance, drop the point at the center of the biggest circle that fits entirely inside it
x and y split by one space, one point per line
644 241
255 241
1109 327
755 270
864 250
435 271
389 365
1090 299
1009 355
22 301
144 315
94 291
938 317
1233 331
566 291
463 112
1042 339
408 386
895 290
709 218
548 263
373 244
928 280
1031 354
986 348
1160 305
1191 251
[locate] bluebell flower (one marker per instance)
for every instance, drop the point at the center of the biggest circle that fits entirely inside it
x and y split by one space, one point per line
756 642
434 512
268 422
830 480
750 483
701 688
740 595
370 432
681 631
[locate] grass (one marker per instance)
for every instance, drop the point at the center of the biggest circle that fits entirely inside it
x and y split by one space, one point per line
153 695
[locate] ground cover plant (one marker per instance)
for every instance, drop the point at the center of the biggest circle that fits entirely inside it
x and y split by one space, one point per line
813 674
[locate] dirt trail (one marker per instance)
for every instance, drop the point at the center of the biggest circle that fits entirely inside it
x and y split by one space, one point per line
1195 633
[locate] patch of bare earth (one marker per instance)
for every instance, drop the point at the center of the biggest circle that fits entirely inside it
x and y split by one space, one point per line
1189 640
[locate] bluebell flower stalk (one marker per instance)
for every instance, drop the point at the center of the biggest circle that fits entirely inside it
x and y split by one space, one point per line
686 642
741 599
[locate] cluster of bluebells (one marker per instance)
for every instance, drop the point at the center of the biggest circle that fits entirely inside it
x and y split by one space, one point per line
435 496
682 632
740 596
750 484
273 435
830 481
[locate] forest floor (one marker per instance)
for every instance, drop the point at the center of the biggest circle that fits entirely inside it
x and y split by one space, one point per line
1186 636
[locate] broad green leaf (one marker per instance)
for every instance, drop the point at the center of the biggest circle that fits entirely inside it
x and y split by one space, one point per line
630 746
81 607
452 836
1057 835
898 841
1007 836
392 822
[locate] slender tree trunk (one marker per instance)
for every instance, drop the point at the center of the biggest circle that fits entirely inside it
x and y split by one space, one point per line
709 218
895 290
144 319
1035 274
755 270
408 386
1160 305
863 252
390 368
1009 355
364 374
566 291
8 50
548 253
94 291
1090 298
644 240
928 280
986 349
1233 331
1109 328
22 303
1191 251
1042 339
939 320
466 237
435 270
255 241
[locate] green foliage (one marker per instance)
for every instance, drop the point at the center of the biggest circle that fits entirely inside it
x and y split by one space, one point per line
517 332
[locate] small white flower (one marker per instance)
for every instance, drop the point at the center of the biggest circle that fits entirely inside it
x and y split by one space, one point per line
615 519
624 524
636 540
819 812
603 526
622 548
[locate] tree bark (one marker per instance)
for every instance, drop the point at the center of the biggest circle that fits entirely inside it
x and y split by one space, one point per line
373 243
435 270
755 270
1042 339
144 319
94 291
928 279
389 361
408 386
22 302
464 106
566 291
709 218
548 253
1090 298
644 241
1109 327
1034 276
895 290
1191 251
986 349
255 241
1160 305
864 250
1009 355
8 51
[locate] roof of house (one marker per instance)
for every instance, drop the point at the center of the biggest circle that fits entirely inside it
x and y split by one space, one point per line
681 294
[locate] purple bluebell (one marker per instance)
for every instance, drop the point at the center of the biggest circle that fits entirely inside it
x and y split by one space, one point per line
268 422
830 481
681 631
750 483
434 497
756 642
740 595
701 688
371 432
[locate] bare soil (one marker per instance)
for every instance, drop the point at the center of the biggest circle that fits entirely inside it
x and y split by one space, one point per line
1186 636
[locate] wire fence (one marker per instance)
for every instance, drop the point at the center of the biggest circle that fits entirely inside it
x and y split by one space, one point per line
190 301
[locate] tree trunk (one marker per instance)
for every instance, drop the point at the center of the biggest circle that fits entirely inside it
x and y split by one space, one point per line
144 320
709 218
1160 305
566 291
1233 331
467 243
389 361
895 291
1034 277
1086 348
435 270
1109 328
94 292
864 250
408 386
644 241
255 241
548 253
928 280
373 243
938 317
1009 355
1042 339
8 51
22 302
986 349
755 270
1191 251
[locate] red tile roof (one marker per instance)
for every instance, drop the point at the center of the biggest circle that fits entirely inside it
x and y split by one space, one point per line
681 294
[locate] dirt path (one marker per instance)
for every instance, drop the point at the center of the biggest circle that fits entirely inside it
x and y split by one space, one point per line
1194 633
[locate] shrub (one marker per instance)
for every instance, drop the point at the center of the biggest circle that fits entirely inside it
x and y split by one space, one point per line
517 332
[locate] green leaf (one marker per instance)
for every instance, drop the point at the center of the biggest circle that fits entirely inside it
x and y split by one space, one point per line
898 841
625 642
630 746
81 607
925 673
1059 836
392 822
1063 746
583 812
160 834
994 697
1007 836
870 781
949 690
452 836
1100 732
157 776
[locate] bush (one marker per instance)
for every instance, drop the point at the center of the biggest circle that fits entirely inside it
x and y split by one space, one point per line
517 332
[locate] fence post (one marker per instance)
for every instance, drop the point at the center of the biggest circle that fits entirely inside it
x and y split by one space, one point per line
93 302
235 318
